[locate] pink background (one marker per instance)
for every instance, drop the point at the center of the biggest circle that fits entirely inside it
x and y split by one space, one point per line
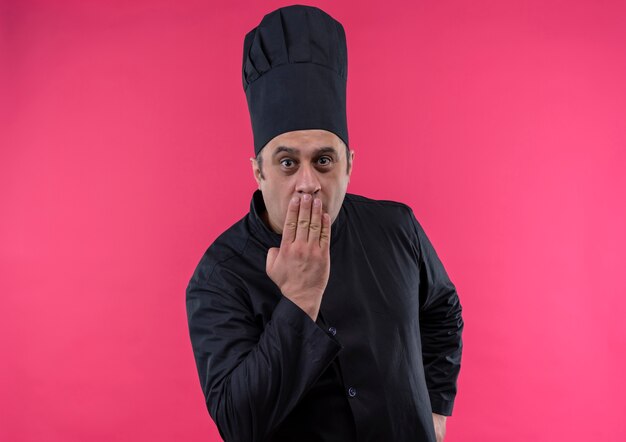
124 146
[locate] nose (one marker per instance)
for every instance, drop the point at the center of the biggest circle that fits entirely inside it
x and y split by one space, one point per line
307 181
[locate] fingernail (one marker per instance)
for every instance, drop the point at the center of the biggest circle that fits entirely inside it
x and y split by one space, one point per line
306 197
295 199
317 202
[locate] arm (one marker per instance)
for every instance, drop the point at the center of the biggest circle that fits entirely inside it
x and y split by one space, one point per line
441 327
251 377
439 421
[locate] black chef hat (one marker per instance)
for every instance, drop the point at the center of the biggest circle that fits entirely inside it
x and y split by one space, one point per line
295 70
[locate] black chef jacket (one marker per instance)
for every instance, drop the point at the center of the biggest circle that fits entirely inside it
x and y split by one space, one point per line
384 353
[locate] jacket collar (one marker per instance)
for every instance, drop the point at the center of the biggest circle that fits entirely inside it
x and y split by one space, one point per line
272 239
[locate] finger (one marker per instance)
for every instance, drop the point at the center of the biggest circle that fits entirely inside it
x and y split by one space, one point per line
272 253
304 218
325 233
316 222
291 221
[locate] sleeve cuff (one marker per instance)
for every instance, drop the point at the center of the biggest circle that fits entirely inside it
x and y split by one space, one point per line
441 406
286 311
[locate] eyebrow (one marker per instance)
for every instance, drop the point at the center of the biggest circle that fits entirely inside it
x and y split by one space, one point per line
294 151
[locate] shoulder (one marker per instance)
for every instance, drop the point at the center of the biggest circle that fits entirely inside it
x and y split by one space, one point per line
392 220
227 248
387 210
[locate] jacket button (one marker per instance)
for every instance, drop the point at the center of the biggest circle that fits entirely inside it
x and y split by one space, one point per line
352 391
332 331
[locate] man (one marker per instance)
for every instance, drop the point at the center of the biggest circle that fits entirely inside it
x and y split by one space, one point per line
320 315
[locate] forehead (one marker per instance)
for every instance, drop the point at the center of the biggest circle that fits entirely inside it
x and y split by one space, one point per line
304 142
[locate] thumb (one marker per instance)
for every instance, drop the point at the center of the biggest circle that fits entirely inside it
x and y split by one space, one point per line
272 253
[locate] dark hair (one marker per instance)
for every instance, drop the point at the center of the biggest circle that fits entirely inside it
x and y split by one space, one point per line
259 160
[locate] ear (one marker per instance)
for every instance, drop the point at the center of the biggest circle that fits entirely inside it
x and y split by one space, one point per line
256 171
351 162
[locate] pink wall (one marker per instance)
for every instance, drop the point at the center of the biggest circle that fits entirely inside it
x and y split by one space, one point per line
124 146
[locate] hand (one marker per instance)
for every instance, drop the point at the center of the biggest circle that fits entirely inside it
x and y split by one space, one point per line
440 426
301 266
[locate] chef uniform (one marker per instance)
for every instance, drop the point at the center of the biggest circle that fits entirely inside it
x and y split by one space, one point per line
385 350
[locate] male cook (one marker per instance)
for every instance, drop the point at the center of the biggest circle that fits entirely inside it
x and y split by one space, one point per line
320 315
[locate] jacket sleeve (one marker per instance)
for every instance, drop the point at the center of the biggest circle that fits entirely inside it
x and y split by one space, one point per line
251 376
441 326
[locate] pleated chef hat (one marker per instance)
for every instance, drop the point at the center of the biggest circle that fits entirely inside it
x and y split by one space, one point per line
295 70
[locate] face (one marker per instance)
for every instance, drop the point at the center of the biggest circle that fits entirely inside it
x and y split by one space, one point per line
304 161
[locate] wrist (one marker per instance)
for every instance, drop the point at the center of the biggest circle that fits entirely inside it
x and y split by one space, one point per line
304 302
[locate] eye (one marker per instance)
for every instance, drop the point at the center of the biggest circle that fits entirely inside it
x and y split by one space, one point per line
325 161
287 163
